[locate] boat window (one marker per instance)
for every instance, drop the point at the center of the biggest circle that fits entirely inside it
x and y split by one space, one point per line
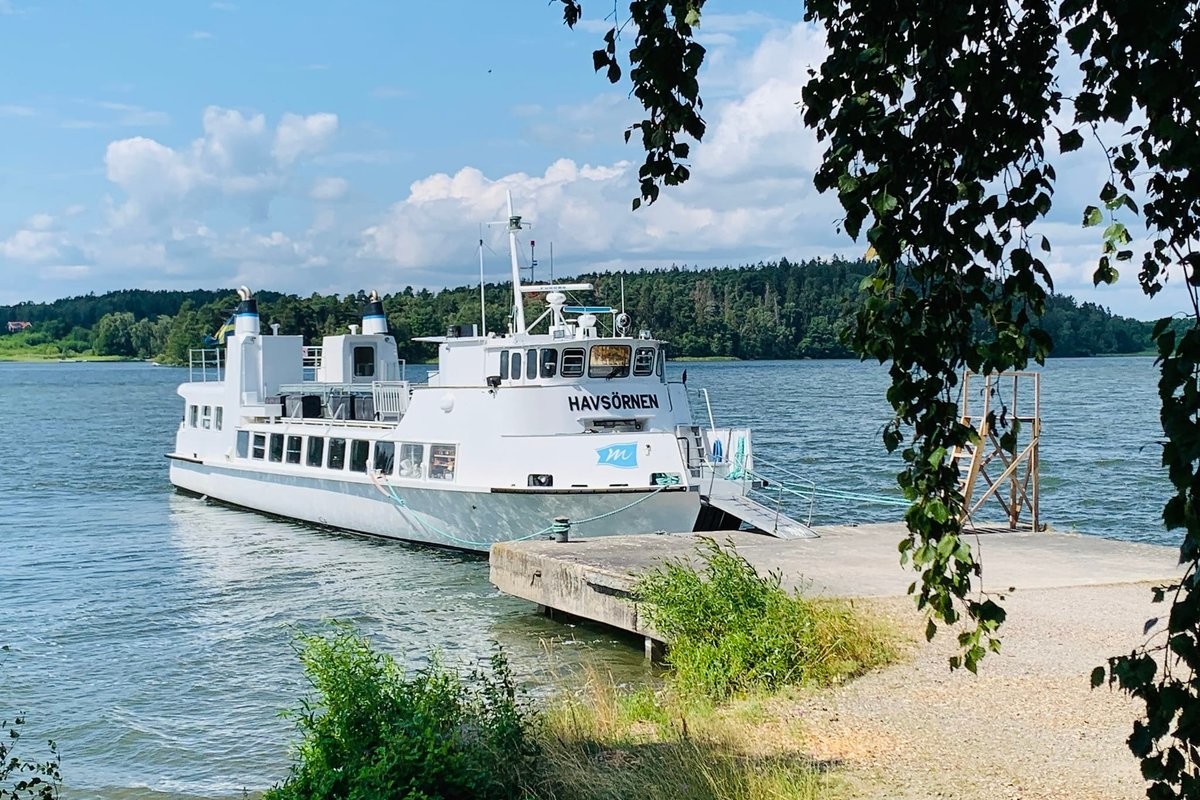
193 415
219 418
503 365
293 450
412 460
442 458
662 359
531 364
643 361
364 362
337 453
385 457
549 362
260 446
206 418
516 366
572 362
609 361
316 450
243 444
358 455
276 451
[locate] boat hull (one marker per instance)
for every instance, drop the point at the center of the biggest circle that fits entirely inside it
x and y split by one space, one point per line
461 518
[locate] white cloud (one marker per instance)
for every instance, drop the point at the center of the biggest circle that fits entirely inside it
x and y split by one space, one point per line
238 156
17 111
30 246
299 136
389 92
201 35
329 189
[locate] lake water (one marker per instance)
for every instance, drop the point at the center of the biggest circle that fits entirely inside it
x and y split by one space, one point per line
150 633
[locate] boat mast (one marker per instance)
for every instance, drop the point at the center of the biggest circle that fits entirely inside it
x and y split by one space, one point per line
514 225
482 297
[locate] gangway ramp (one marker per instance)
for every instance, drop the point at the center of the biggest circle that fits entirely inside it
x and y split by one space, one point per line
771 521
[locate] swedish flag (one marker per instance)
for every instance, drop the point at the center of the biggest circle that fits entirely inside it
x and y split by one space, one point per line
222 333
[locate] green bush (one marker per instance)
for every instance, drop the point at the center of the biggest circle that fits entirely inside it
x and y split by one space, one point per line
733 631
21 777
374 731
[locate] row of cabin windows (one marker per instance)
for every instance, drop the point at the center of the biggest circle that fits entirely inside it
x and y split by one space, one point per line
605 361
337 453
207 417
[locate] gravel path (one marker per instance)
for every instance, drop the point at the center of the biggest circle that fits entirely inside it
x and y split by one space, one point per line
1027 727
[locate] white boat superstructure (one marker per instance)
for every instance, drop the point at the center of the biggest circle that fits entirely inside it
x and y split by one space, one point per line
511 431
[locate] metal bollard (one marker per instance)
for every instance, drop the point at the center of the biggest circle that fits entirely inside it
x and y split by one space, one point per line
562 529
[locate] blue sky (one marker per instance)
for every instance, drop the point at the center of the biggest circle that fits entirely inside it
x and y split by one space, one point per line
304 146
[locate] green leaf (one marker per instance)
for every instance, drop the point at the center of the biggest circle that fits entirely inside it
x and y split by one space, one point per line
1069 141
1091 217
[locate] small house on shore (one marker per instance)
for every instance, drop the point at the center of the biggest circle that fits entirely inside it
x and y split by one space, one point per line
17 326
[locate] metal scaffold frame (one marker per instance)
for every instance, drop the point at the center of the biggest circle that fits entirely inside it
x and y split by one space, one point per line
1007 405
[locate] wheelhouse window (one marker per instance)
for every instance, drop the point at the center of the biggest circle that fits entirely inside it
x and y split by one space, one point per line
412 460
276 451
385 457
442 458
643 361
364 361
609 361
193 415
572 362
549 362
292 454
206 418
316 451
337 453
516 366
219 417
503 365
359 450
260 446
531 364
243 444
660 363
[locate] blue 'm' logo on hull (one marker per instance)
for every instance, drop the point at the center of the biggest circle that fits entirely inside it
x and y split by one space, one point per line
623 456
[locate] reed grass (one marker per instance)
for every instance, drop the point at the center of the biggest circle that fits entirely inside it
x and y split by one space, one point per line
605 743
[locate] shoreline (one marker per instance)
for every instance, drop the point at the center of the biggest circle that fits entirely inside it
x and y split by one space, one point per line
34 358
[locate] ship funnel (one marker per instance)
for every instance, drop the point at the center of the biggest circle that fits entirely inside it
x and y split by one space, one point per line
246 322
373 318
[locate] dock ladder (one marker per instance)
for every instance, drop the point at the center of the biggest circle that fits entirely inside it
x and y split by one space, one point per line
1005 409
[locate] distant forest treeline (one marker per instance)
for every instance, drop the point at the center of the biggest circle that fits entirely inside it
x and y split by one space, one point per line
780 310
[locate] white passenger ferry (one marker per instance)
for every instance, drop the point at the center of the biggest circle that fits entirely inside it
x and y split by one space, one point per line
509 433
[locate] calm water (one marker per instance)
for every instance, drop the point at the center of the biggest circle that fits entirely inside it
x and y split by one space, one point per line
150 632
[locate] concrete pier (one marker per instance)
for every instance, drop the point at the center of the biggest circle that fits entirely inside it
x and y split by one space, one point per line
593 578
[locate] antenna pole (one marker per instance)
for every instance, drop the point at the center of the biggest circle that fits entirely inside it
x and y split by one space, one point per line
482 297
514 225
552 262
622 294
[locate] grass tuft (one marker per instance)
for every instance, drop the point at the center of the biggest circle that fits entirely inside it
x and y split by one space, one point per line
733 631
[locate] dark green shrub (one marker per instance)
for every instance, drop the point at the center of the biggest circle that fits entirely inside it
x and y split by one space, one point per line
732 630
373 731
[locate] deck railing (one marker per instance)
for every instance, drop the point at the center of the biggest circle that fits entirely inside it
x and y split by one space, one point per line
205 365
391 399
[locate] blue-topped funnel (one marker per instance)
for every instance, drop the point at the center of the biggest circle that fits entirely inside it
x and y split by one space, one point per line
373 318
246 317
